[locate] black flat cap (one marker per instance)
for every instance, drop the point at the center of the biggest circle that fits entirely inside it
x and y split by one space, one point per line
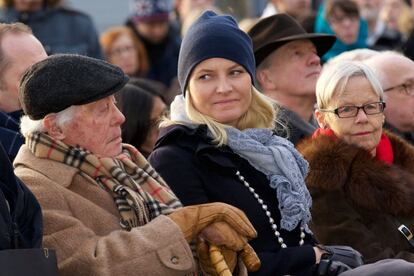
63 80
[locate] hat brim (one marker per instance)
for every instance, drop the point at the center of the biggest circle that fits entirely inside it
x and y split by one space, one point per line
322 42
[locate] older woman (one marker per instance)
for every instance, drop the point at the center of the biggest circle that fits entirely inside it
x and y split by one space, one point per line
106 211
361 177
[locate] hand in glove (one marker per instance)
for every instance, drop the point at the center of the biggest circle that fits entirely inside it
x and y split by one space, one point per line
193 219
217 234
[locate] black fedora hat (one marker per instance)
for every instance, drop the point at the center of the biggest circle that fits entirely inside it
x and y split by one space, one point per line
274 31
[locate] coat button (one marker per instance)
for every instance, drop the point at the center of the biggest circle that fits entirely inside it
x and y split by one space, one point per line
174 259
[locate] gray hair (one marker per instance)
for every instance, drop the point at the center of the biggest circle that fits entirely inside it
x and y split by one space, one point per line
63 117
379 63
334 78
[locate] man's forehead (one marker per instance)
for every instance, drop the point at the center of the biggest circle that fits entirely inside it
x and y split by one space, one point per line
295 45
396 69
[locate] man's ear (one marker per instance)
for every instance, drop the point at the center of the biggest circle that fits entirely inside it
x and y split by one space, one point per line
52 128
263 77
321 118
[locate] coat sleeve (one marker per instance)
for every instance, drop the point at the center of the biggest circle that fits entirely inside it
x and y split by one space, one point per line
158 248
336 222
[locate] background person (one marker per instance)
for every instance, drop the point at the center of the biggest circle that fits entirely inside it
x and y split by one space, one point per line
151 23
143 112
59 29
123 49
288 66
18 50
396 75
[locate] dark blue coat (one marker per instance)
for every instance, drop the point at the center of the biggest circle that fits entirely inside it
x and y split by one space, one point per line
20 214
199 172
59 29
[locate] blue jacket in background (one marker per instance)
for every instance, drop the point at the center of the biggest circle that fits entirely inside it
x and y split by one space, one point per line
59 29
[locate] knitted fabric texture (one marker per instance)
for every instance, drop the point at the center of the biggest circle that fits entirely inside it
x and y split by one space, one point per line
214 36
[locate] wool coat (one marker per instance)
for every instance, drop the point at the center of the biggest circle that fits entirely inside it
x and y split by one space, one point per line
81 222
200 172
360 201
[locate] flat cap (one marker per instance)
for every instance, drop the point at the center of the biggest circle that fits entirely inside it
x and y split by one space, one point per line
63 80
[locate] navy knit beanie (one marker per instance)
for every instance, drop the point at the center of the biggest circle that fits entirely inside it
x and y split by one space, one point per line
214 36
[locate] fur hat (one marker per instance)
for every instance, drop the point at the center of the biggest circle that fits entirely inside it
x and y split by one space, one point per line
61 81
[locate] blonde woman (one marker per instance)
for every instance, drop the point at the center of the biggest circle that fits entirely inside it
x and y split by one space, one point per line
219 147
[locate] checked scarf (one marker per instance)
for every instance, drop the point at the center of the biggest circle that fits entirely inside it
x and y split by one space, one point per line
139 193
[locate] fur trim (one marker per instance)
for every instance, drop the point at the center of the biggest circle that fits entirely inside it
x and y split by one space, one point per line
368 182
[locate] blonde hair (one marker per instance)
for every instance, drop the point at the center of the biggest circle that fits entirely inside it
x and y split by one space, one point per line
334 78
261 114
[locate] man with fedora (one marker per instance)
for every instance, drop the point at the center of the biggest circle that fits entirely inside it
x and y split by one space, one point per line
288 66
105 210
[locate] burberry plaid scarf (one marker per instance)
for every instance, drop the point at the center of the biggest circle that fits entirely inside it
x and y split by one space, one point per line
139 193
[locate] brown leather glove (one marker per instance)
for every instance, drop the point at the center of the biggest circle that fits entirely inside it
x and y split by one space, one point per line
230 257
216 264
193 219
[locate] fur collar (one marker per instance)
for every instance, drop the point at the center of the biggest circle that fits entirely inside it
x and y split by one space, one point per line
369 183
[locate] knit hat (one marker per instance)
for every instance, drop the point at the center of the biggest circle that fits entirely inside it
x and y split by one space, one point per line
150 10
214 36
63 80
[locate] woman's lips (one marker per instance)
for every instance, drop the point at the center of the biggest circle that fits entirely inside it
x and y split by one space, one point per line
225 101
362 133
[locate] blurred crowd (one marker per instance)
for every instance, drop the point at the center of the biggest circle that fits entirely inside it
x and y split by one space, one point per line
189 141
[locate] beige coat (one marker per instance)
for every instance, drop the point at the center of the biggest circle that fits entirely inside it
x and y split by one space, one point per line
81 222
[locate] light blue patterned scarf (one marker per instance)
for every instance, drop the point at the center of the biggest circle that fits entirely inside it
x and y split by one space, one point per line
274 156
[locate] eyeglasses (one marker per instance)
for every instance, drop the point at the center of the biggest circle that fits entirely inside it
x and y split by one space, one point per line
349 111
120 50
405 88
341 19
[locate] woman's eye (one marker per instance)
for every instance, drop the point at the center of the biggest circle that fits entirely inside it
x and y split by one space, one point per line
204 77
236 72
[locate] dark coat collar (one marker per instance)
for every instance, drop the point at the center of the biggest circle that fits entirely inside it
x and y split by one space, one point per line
202 145
369 183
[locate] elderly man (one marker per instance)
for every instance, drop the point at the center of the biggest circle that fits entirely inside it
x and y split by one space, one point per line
106 211
396 74
18 50
288 65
